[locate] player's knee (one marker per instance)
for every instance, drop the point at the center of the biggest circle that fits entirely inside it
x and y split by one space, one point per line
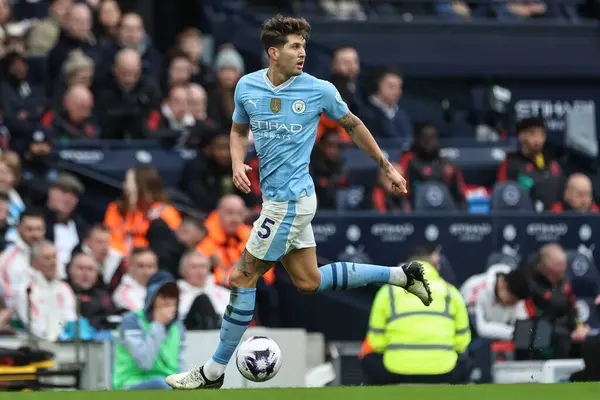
240 280
307 285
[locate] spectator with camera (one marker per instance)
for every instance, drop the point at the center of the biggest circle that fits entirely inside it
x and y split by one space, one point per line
151 340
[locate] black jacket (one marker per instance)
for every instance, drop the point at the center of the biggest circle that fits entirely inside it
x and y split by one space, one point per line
206 182
36 177
168 249
123 114
557 303
95 304
50 219
59 53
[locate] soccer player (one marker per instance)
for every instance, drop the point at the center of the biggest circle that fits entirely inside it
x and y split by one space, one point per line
282 106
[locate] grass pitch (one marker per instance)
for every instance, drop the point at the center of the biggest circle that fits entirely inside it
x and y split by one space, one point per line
565 391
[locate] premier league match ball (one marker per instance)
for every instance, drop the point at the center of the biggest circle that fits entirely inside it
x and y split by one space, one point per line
258 359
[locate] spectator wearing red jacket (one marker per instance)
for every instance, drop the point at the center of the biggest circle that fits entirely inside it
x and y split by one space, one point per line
578 196
423 163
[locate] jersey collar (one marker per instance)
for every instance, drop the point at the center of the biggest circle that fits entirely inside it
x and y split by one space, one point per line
278 88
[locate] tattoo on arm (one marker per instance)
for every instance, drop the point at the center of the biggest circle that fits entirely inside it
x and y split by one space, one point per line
384 163
349 122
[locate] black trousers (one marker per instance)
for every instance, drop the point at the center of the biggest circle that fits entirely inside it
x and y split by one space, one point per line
375 373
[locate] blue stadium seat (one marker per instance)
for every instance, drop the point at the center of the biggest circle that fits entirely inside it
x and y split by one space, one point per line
362 170
350 198
433 196
587 312
583 274
510 196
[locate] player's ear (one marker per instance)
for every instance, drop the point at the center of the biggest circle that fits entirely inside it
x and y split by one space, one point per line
273 53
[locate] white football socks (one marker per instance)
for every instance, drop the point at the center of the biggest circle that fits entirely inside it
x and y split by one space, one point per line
397 276
213 370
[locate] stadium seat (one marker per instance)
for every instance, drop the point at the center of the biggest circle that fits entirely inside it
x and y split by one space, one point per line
587 312
583 274
351 198
432 196
497 257
510 196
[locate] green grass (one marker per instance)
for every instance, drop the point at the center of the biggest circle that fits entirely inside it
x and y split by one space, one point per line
563 391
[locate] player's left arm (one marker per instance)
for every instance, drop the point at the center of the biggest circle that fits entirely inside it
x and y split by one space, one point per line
337 109
363 138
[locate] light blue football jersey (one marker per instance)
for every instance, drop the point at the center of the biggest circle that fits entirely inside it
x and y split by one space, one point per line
283 120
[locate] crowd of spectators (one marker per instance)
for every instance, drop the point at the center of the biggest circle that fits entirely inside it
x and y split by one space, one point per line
89 71
361 10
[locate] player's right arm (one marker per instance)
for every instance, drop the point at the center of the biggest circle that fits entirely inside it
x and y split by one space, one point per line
238 142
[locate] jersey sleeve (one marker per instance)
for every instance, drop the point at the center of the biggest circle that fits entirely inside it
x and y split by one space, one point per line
240 116
333 105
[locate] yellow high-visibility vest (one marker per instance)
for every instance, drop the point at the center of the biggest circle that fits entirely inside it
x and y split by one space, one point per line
415 339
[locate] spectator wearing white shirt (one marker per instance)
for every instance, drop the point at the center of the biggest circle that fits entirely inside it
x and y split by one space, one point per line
109 262
495 301
131 292
15 259
195 288
45 303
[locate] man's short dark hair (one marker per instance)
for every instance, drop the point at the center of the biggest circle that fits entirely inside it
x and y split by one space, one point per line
382 73
140 250
528 123
517 284
420 252
97 227
31 213
275 30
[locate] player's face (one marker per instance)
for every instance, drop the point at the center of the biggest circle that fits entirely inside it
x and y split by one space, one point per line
291 56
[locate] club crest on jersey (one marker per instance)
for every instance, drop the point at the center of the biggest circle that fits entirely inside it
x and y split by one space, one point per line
298 107
275 105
